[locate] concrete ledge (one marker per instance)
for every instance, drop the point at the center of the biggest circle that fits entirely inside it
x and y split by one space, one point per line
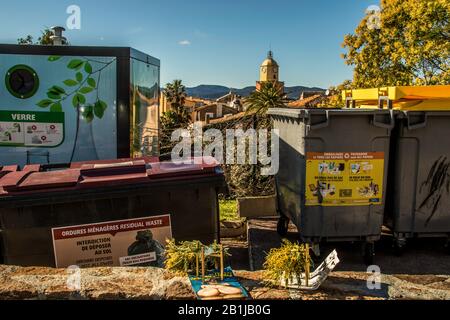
256 207
233 229
149 284
94 284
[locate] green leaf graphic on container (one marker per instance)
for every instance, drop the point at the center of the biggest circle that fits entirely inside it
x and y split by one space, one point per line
99 109
44 103
78 100
75 64
54 58
70 83
56 107
88 67
91 82
85 82
86 90
79 77
88 113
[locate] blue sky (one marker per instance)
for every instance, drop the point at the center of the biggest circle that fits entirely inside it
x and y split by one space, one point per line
208 41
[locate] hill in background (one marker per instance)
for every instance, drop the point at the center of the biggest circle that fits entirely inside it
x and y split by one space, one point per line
213 92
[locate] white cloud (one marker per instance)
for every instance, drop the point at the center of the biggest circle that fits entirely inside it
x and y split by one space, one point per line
184 43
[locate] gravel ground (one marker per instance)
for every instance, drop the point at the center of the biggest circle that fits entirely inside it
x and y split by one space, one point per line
422 272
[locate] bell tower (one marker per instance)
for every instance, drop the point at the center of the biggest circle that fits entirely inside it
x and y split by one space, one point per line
269 72
269 69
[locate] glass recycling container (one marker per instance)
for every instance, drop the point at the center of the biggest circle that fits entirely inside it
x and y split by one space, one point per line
62 104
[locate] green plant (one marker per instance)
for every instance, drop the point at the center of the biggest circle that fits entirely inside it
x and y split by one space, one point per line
228 210
286 263
84 82
182 258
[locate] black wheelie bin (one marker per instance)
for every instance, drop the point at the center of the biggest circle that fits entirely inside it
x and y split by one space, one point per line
32 202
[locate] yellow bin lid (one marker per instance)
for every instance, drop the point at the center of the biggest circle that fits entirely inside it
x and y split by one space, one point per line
404 98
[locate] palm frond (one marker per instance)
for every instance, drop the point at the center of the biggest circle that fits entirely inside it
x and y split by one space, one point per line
269 96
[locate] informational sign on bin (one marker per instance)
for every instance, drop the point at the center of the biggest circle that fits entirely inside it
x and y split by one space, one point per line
134 242
344 178
31 129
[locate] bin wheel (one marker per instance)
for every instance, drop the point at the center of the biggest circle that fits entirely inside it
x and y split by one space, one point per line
447 247
399 248
369 253
283 226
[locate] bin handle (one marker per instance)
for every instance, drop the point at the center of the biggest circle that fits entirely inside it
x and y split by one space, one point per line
116 168
418 125
389 125
319 125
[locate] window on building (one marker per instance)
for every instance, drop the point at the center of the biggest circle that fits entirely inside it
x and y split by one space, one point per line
209 115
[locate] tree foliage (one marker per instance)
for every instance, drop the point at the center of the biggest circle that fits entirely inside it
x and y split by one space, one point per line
246 180
44 39
177 117
269 96
175 93
27 40
334 98
174 120
410 46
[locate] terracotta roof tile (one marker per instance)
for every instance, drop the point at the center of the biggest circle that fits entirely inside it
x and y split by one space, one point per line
307 102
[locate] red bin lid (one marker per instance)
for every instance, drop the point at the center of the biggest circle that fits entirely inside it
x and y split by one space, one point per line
96 174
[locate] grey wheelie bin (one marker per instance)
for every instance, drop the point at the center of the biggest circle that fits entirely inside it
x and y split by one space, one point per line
102 206
421 184
333 173
418 203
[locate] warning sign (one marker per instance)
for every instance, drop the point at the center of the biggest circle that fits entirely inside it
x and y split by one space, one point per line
136 242
344 179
